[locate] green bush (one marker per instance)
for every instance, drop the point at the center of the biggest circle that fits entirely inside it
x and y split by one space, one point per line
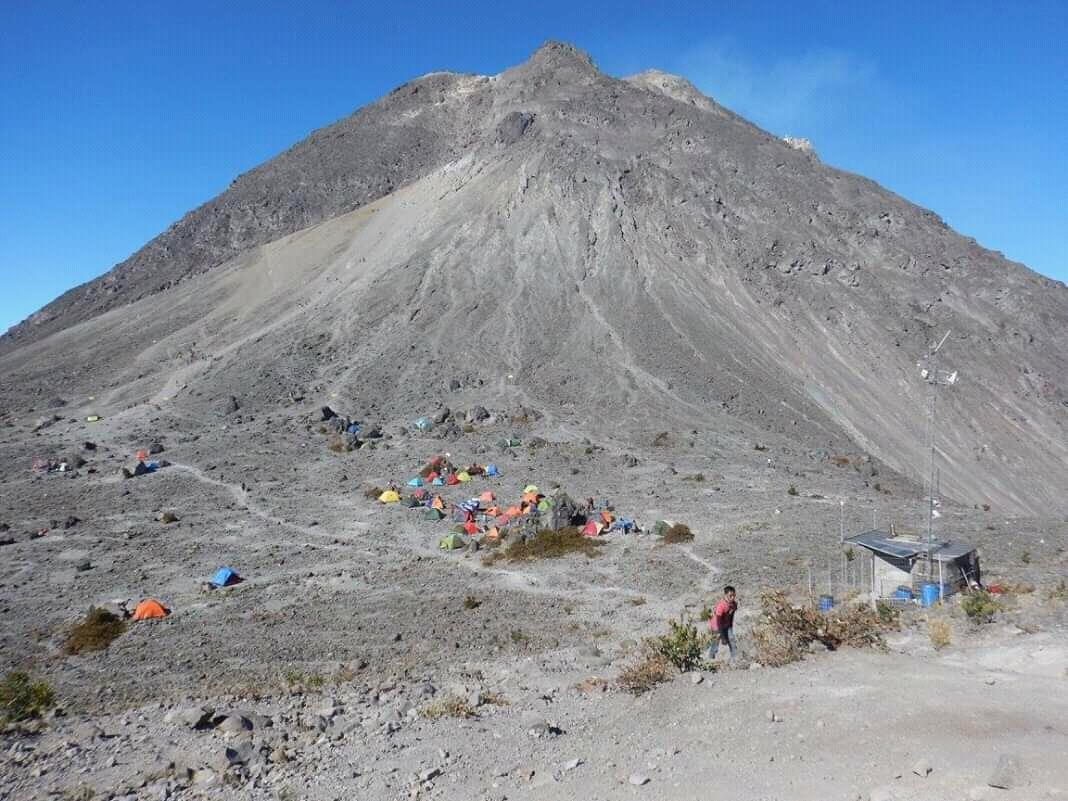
979 606
22 698
683 646
792 490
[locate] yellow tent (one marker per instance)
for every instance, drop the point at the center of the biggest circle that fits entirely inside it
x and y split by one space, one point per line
530 488
463 476
389 496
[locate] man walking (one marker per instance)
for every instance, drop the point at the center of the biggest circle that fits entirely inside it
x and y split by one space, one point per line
722 622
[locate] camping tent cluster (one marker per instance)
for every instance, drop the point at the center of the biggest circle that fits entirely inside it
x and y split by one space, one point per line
485 516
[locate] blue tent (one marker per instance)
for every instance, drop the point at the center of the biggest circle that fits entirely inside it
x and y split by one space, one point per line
224 577
491 470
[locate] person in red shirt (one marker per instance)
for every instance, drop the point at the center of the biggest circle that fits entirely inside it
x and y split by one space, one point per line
722 622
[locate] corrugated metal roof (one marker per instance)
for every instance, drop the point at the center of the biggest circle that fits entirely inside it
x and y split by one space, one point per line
883 542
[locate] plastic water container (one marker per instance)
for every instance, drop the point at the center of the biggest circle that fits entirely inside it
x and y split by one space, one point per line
903 594
826 603
929 595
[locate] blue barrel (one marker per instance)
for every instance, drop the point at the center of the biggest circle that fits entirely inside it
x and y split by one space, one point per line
929 595
826 603
903 593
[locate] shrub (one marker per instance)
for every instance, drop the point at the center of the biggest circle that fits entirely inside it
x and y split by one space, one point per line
939 632
637 601
888 615
661 440
451 706
642 675
518 636
683 646
792 490
850 554
786 630
680 532
1025 557
337 445
22 698
548 544
979 606
471 602
95 632
1060 592
759 447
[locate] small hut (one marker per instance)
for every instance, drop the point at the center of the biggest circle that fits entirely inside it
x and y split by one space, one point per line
900 560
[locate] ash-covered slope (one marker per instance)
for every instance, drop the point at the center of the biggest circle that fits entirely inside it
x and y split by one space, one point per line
627 255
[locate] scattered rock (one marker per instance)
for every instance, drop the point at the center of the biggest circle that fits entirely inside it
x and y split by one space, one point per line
572 764
428 774
168 517
328 413
441 415
234 724
630 460
1006 773
44 422
922 768
194 717
82 564
155 448
70 522
638 779
89 446
229 406
696 678
478 414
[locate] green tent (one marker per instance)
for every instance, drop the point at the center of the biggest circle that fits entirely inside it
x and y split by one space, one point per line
433 515
452 542
659 528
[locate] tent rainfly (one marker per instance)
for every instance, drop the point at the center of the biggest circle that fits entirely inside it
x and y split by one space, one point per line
902 561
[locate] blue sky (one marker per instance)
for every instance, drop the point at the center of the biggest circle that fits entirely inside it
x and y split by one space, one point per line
116 118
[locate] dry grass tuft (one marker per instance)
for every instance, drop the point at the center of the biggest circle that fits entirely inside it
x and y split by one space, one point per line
680 532
547 544
647 671
786 630
450 706
939 632
95 632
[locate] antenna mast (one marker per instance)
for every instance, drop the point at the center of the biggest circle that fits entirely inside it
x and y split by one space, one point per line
933 377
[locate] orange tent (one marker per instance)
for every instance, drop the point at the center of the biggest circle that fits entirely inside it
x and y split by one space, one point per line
437 503
470 528
514 511
493 533
493 511
149 609
486 497
530 497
